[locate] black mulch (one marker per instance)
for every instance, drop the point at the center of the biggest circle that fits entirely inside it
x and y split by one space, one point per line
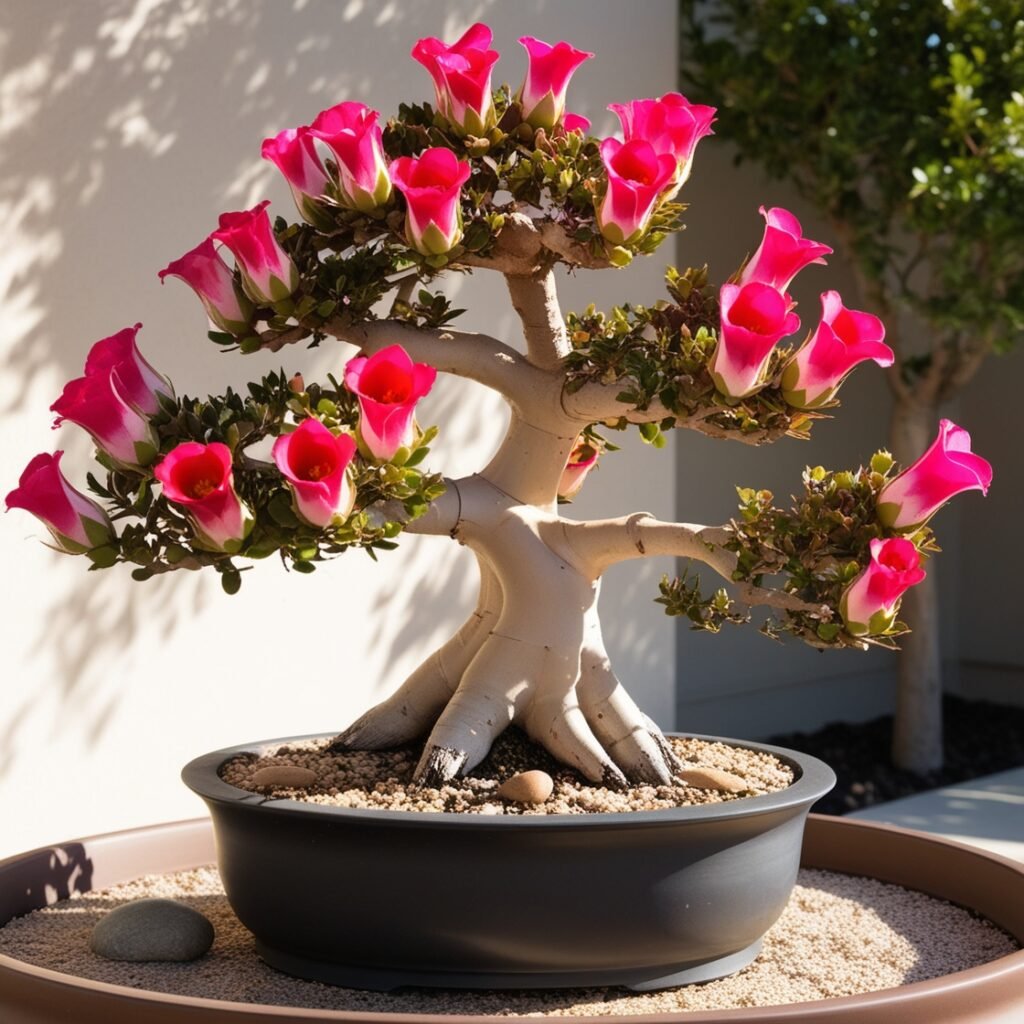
980 738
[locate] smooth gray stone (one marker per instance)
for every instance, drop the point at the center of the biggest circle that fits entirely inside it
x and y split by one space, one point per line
152 929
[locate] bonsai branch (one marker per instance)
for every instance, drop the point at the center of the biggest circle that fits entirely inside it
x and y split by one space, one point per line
601 543
526 246
598 402
474 356
536 301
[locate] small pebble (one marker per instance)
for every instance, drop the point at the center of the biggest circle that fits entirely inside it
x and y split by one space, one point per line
532 787
283 776
151 930
713 778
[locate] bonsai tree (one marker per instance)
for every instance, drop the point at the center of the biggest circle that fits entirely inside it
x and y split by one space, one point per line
904 131
507 183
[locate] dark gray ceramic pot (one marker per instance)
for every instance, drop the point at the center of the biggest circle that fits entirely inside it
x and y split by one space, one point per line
381 899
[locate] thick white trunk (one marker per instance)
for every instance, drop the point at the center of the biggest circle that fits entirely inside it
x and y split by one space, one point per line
917 726
532 651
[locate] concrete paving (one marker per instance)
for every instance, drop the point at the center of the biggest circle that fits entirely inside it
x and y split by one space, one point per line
986 812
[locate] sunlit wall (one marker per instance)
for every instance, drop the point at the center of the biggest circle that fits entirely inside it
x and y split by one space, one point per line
126 127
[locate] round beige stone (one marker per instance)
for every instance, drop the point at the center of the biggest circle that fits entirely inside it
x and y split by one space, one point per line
713 778
532 787
283 776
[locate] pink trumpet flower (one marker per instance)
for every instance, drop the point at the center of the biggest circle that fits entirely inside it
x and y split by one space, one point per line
137 382
576 123
203 270
870 603
268 274
388 385
351 132
637 176
462 78
671 125
844 339
76 522
753 319
432 186
783 251
199 478
946 468
95 403
582 460
542 94
314 462
293 152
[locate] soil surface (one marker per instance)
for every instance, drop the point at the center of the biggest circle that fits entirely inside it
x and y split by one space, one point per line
382 780
980 738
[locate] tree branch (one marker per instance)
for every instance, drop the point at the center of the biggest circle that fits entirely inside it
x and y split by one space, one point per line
600 543
535 299
526 246
441 518
596 402
474 356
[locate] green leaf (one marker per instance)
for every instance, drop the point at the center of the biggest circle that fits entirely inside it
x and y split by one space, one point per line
103 557
828 631
231 581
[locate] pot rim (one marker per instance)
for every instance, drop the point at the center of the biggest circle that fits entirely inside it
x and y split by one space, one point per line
813 780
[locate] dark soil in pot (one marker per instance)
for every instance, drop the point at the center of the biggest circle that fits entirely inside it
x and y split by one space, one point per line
382 780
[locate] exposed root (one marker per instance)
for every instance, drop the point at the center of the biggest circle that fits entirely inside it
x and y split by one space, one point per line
482 707
413 709
634 743
439 766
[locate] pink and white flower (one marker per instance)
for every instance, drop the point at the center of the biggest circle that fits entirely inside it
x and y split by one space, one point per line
203 270
268 274
672 125
432 186
783 251
462 78
870 603
637 176
351 132
946 468
388 385
582 459
199 477
314 462
76 522
542 94
844 339
293 152
753 318
137 382
95 403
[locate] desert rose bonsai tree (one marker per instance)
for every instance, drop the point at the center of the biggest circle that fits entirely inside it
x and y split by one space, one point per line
511 183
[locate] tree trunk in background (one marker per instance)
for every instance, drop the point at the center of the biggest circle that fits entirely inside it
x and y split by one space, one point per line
917 727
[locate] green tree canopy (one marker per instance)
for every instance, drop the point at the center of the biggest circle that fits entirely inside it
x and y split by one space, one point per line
904 123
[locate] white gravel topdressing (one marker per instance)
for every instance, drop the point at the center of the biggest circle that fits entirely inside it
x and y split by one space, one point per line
840 935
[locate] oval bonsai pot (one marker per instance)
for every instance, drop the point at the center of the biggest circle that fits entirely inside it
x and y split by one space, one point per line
989 994
381 899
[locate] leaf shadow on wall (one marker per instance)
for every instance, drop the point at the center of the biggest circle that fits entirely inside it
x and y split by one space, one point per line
126 126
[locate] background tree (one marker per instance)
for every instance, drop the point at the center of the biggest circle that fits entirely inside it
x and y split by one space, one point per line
903 123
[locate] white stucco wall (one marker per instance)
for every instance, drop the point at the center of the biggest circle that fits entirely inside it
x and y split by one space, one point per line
126 126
